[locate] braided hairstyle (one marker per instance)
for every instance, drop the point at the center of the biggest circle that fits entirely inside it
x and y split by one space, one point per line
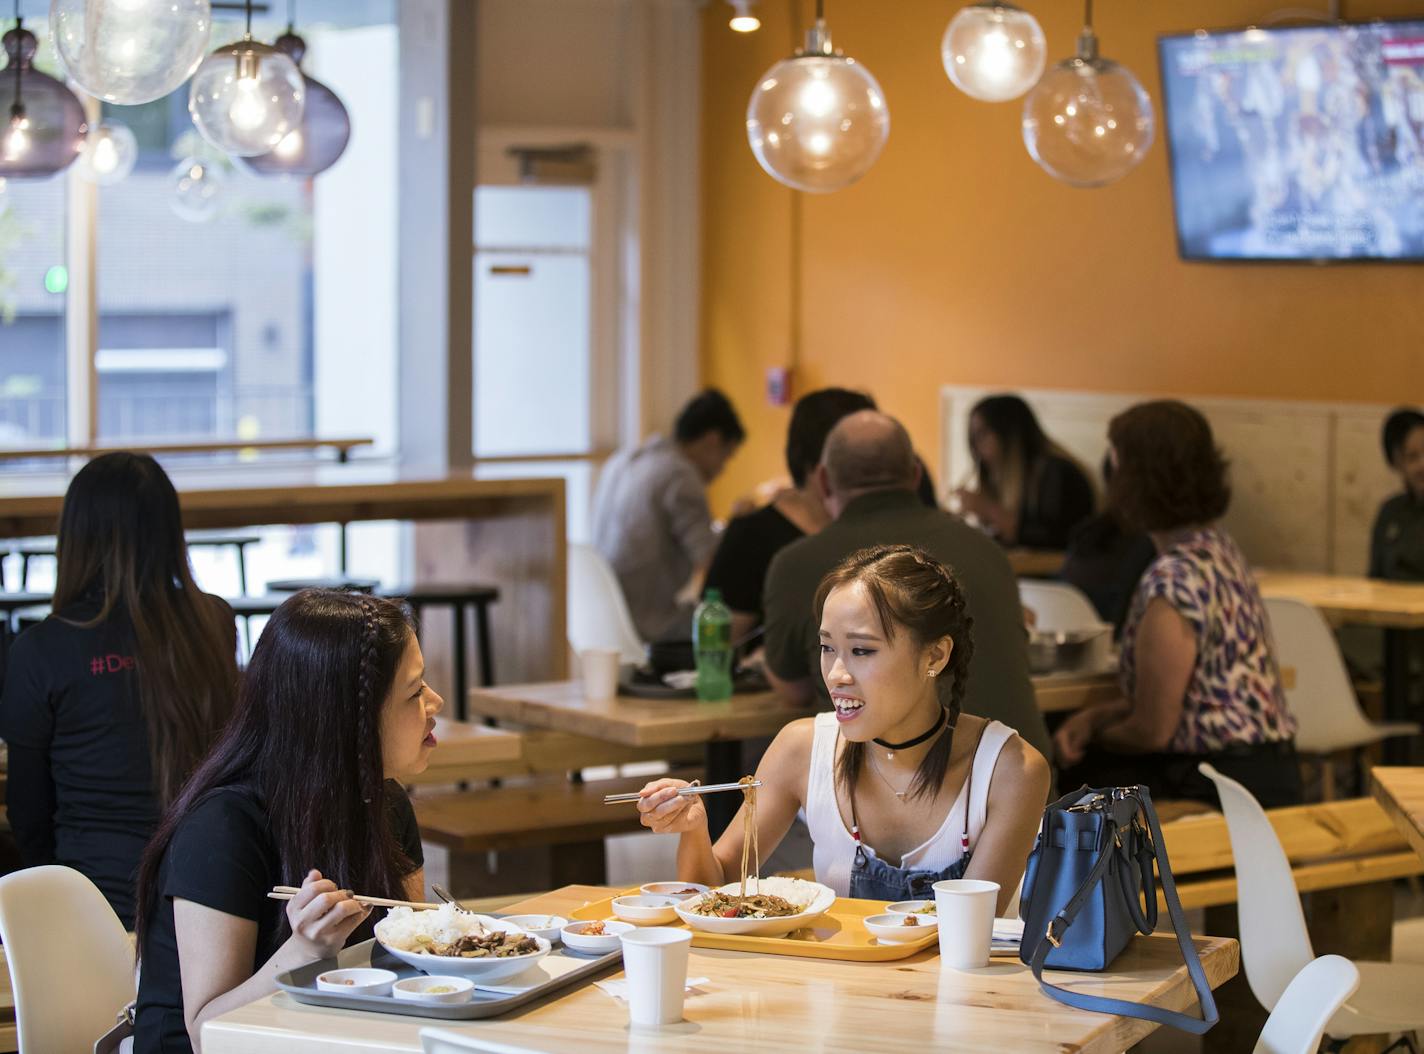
911 591
306 738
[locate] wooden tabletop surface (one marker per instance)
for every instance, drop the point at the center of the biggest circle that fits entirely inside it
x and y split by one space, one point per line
776 1004
1400 790
1035 563
1350 598
561 706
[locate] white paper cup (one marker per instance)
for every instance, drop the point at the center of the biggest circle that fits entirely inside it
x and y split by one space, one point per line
966 921
600 672
655 963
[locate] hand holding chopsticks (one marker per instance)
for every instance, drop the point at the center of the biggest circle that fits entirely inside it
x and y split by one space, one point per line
288 892
712 788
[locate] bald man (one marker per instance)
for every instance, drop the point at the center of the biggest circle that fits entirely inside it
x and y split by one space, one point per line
867 476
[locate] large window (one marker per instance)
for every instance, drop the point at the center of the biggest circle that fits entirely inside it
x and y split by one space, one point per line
264 308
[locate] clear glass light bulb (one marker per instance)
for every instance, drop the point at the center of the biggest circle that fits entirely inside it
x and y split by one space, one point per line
743 21
109 153
130 51
1088 122
290 146
17 138
197 190
246 97
817 121
993 51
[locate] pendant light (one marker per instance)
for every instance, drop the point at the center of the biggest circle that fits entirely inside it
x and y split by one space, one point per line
42 123
109 154
1088 122
130 51
320 139
246 96
742 20
993 51
818 120
197 190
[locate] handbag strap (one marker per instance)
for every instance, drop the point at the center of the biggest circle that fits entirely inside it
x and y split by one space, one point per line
1102 1004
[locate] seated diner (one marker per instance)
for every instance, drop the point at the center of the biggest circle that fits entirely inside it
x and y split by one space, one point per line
900 787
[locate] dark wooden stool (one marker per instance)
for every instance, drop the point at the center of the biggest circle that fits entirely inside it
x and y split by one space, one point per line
458 597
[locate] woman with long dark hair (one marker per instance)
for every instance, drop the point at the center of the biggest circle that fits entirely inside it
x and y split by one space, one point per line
900 788
300 790
1030 492
111 701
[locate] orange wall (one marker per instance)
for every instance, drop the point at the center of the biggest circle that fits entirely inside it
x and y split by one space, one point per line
956 260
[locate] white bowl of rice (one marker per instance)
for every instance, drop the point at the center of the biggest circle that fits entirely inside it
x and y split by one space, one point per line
445 940
810 900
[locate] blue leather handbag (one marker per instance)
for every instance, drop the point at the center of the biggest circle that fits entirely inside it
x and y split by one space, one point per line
1089 888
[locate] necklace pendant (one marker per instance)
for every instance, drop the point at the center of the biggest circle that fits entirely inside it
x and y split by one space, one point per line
901 794
890 756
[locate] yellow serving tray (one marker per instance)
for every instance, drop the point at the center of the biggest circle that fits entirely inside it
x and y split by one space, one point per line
838 934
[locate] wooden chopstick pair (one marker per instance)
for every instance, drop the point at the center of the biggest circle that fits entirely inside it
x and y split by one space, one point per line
696 788
288 892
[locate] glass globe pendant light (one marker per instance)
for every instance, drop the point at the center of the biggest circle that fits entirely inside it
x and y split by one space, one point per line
1088 121
197 190
818 120
246 96
42 123
130 51
320 139
993 51
109 153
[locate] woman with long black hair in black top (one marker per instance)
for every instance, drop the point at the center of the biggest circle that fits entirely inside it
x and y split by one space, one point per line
300 790
112 700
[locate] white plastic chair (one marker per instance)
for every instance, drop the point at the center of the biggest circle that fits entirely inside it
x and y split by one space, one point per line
1058 606
443 1041
1322 700
598 616
1275 945
1298 1021
71 963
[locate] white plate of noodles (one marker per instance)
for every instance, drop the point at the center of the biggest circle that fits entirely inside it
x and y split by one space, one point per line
445 940
808 901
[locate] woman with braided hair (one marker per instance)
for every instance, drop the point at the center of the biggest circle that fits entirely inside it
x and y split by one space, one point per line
301 789
900 788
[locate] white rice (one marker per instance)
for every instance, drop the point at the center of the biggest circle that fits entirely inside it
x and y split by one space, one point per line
795 891
408 930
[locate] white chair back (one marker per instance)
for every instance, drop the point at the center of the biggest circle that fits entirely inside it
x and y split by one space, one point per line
444 1041
598 615
1322 698
1298 1022
71 963
1058 606
1274 943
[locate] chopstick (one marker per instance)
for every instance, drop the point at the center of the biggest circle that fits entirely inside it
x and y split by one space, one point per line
288 892
712 788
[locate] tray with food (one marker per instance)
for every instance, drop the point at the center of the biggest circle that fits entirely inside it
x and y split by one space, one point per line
454 965
783 916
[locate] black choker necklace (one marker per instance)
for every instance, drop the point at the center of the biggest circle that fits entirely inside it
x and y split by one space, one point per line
934 731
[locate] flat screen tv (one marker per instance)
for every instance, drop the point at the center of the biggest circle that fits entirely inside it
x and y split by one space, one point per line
1297 143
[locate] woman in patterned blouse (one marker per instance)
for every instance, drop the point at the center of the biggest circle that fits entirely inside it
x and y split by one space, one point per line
1198 673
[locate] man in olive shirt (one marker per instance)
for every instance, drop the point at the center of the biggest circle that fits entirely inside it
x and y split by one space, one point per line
868 475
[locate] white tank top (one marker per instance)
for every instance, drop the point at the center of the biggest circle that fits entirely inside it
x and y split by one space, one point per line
834 848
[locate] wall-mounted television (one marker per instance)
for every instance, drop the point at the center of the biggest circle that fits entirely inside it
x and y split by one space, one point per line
1297 143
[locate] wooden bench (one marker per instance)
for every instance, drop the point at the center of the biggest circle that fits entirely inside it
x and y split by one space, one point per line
567 819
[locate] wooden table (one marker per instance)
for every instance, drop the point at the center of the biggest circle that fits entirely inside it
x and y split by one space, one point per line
1035 563
1400 790
1349 598
509 533
561 706
777 1004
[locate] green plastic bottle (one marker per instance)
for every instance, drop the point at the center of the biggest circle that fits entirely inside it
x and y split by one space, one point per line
712 639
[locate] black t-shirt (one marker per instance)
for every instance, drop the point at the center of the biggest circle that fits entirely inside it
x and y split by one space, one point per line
1061 499
80 783
739 566
1397 541
223 857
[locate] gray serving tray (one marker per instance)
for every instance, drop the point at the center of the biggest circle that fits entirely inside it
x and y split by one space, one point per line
562 967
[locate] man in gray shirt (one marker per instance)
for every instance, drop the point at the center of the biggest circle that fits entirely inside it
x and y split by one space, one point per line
650 516
868 475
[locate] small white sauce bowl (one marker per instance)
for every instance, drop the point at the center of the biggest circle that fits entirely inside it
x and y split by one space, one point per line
546 926
363 981
574 937
418 989
673 889
891 929
913 907
644 910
